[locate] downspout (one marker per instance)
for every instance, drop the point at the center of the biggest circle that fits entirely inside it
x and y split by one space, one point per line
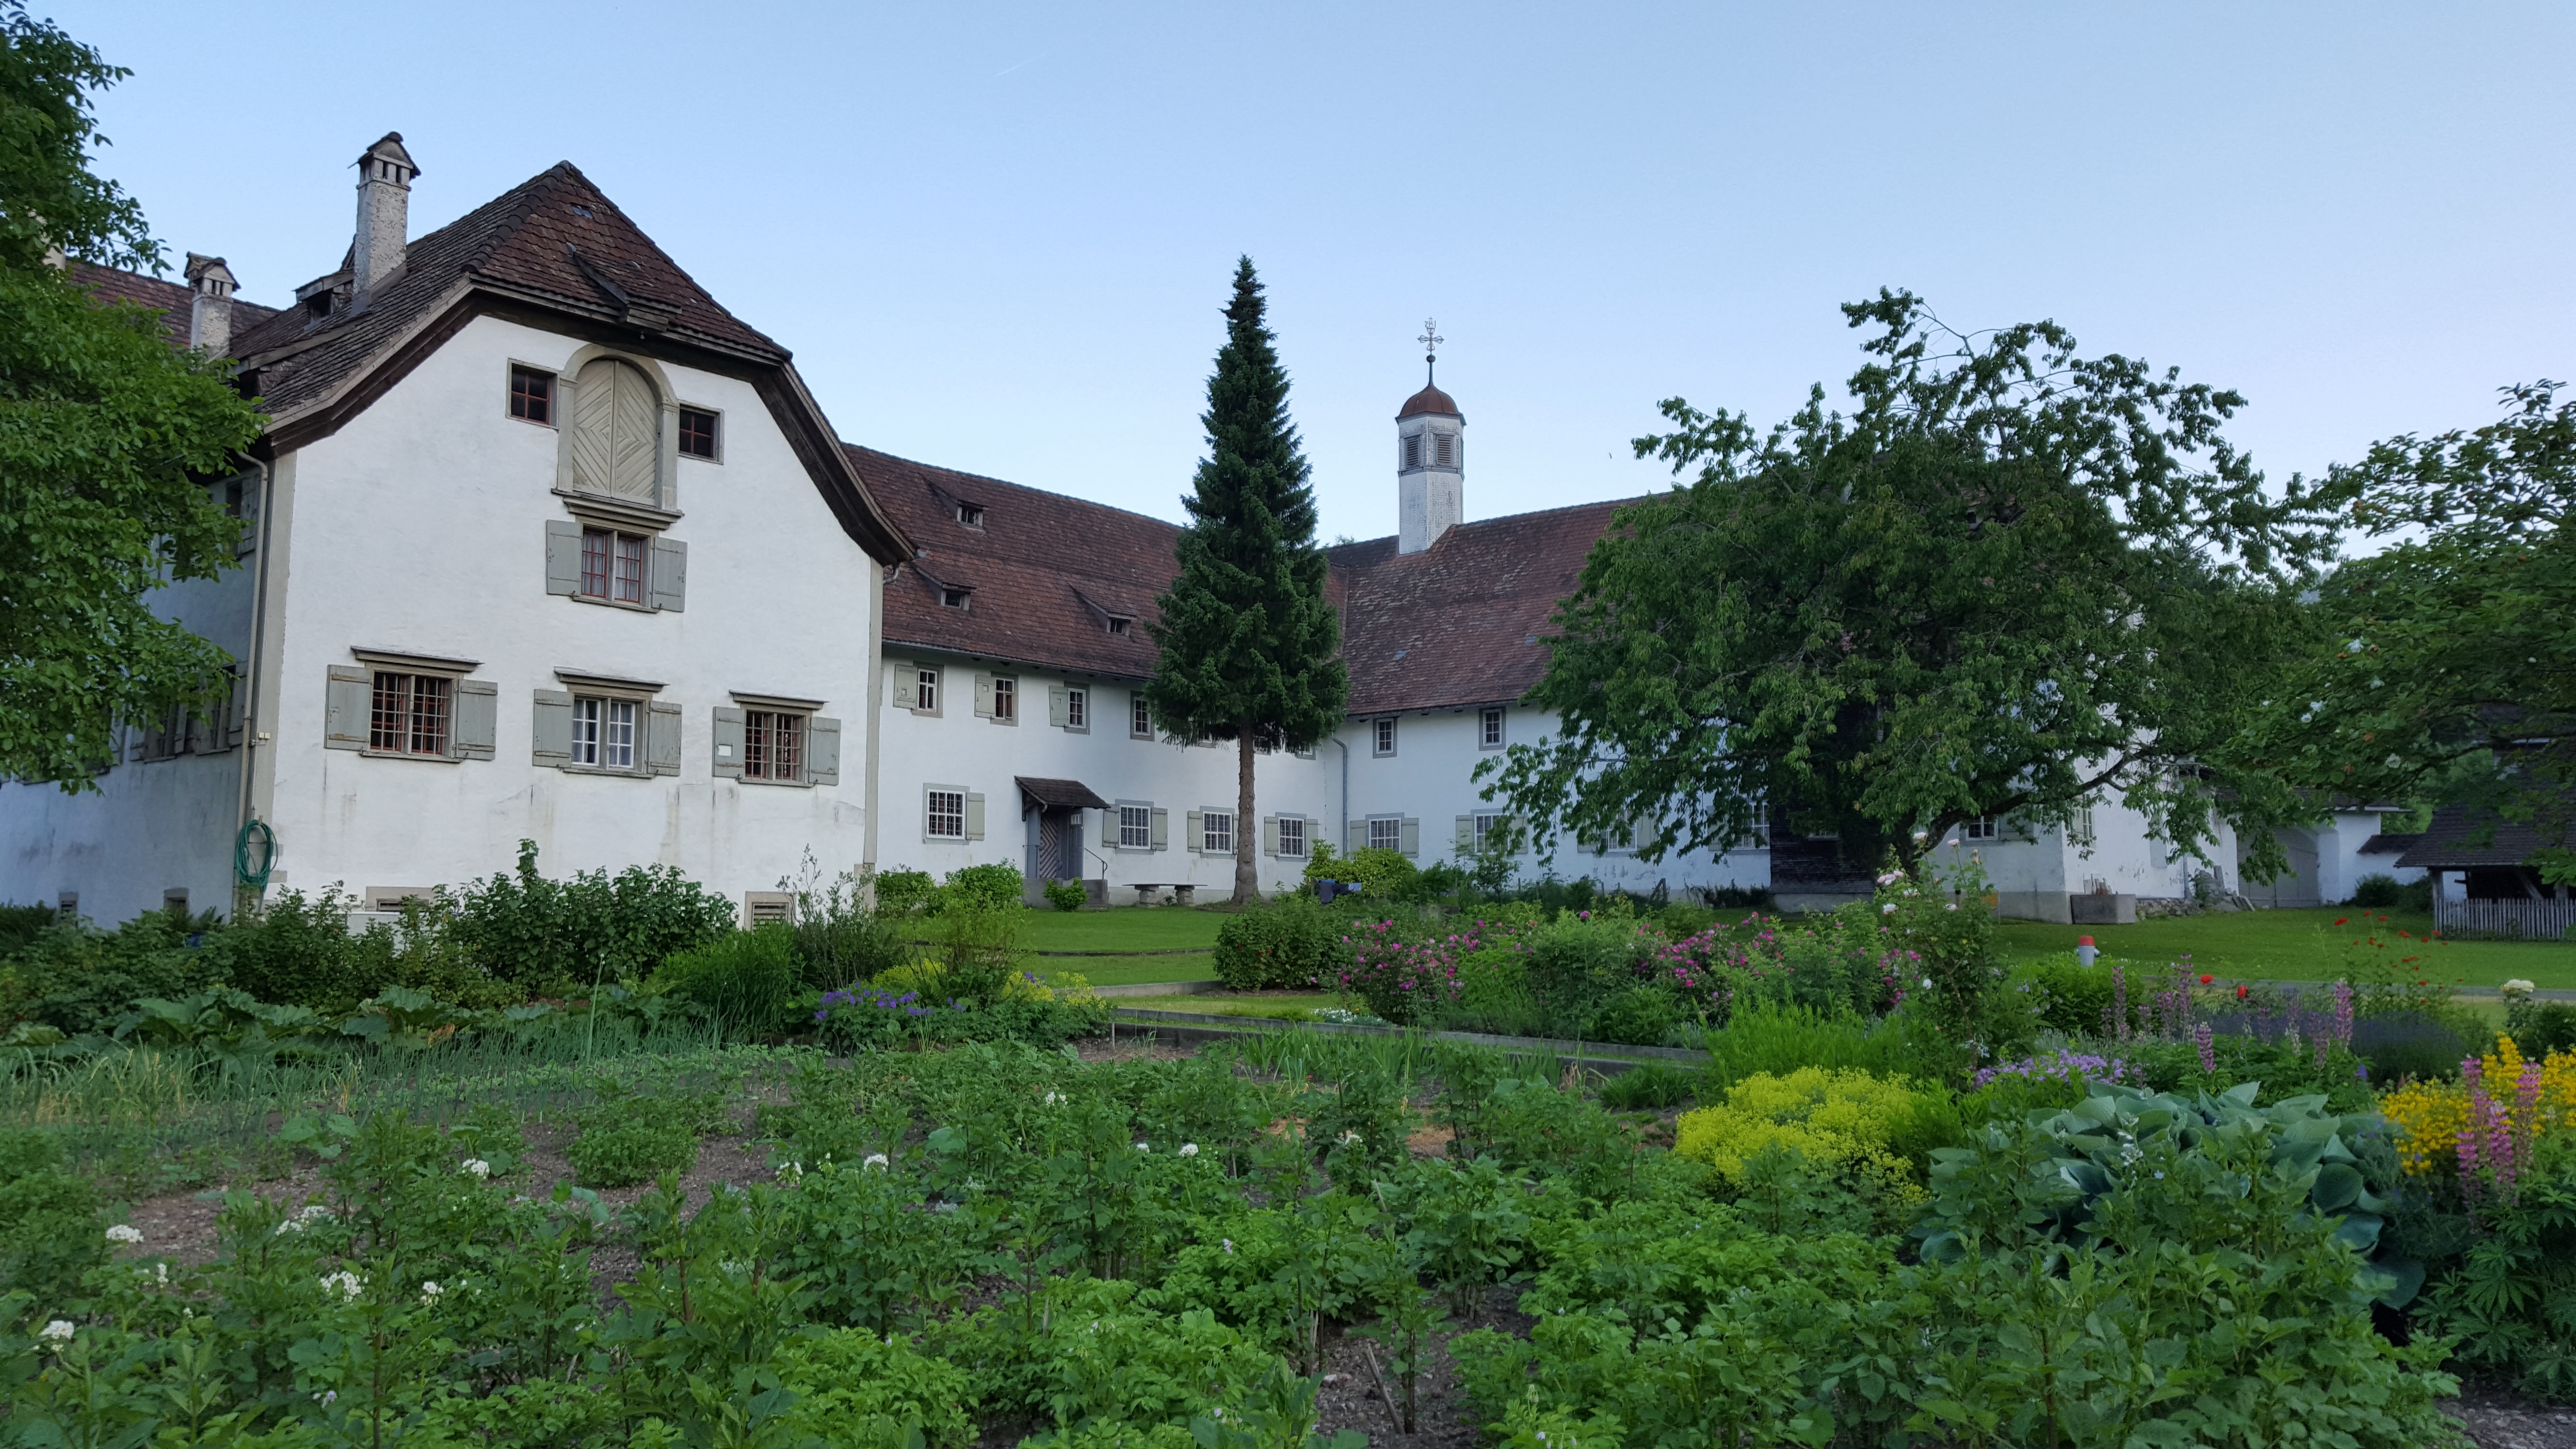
251 735
880 706
1345 832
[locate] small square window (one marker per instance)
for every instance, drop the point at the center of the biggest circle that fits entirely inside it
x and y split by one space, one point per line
971 514
1292 837
925 689
1488 826
947 818
1135 827
1984 827
1006 698
773 745
603 733
1140 720
1386 833
532 395
613 565
955 598
1384 731
1489 729
1077 709
1216 832
408 714
1119 624
697 434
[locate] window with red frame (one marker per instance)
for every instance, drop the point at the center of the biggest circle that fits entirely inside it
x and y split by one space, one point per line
408 715
697 434
773 745
612 565
532 395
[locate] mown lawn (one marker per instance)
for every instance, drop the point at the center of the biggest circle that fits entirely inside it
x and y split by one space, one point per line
1124 970
2304 946
1126 928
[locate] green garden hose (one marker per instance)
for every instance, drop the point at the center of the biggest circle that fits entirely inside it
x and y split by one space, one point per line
256 842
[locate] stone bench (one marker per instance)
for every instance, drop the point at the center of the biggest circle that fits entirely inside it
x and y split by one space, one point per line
1182 894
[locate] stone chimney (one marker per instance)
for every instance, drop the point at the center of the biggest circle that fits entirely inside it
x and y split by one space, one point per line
384 214
210 315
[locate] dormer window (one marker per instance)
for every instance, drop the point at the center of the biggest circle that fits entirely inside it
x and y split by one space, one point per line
1119 624
971 514
955 598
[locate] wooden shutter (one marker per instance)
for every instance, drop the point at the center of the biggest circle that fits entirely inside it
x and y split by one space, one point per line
974 816
1161 837
1642 834
1409 836
727 746
1059 705
478 719
551 740
662 739
1354 836
983 695
670 585
899 684
616 432
822 751
563 556
344 711
1466 834
1194 832
1270 835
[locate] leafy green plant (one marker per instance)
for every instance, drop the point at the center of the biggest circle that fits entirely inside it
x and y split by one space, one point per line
2511 1299
627 1137
557 937
747 980
50 1233
1289 943
1641 1015
1648 1086
1066 895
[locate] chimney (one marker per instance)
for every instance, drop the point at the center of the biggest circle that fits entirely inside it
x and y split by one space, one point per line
384 214
210 315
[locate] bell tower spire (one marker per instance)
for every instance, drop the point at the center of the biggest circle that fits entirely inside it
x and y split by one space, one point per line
1431 457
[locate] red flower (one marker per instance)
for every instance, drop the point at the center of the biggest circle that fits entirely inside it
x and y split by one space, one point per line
2339 920
2240 991
2206 978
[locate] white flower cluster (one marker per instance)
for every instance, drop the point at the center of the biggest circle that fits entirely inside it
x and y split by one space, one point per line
475 1167
1350 1139
125 1233
57 1332
1054 1099
1189 1149
2518 987
879 1161
347 1284
791 1173
310 1215
430 1293
1144 1147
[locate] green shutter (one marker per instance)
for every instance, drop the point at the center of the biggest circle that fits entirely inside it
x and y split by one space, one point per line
478 719
563 557
1354 836
983 695
1409 836
1466 834
1270 835
1059 705
728 742
551 738
1193 831
822 751
1161 836
344 712
1642 834
974 816
662 739
670 581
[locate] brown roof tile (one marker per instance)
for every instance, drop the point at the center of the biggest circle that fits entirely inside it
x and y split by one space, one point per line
1045 570
1462 622
172 299
2461 836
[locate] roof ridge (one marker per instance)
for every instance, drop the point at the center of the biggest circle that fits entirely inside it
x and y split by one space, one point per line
1007 483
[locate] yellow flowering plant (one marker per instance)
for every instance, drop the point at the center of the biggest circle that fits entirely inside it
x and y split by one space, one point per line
1843 1122
2427 1118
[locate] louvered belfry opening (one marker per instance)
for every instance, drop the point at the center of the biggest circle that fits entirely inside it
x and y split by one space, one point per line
616 432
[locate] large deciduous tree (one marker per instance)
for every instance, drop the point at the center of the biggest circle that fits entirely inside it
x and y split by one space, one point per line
2012 580
1250 649
105 431
2450 655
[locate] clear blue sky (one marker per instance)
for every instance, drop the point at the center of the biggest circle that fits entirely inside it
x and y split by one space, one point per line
998 238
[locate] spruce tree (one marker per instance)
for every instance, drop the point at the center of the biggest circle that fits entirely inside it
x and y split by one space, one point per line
1251 652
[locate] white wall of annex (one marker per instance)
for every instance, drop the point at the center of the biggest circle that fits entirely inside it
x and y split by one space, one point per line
959 749
420 527
1431 777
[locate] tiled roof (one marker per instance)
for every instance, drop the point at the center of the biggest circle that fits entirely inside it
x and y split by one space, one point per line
522 242
1045 570
2461 837
1429 400
1456 625
172 299
2390 843
1460 623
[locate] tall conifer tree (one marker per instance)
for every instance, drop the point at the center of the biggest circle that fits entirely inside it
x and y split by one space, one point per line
1251 652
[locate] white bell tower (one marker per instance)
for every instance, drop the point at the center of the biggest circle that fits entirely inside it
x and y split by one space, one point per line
1430 459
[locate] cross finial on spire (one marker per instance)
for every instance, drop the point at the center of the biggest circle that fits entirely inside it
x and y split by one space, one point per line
1430 340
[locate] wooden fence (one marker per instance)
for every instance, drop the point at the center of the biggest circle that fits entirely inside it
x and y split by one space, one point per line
2529 919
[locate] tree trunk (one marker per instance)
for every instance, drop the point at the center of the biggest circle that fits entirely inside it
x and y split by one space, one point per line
1247 880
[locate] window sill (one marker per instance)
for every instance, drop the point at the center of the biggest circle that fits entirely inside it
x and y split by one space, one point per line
611 771
613 603
409 755
773 784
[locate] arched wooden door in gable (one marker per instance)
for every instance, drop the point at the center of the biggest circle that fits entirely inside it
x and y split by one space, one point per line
616 432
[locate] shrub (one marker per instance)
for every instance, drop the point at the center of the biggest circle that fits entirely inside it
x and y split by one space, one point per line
983 888
2507 1301
904 892
559 937
840 941
1494 994
2377 891
845 1379
1384 875
78 979
1066 895
1647 1086
1290 943
21 925
746 981
627 1138
1859 1127
1777 1040
1636 1016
